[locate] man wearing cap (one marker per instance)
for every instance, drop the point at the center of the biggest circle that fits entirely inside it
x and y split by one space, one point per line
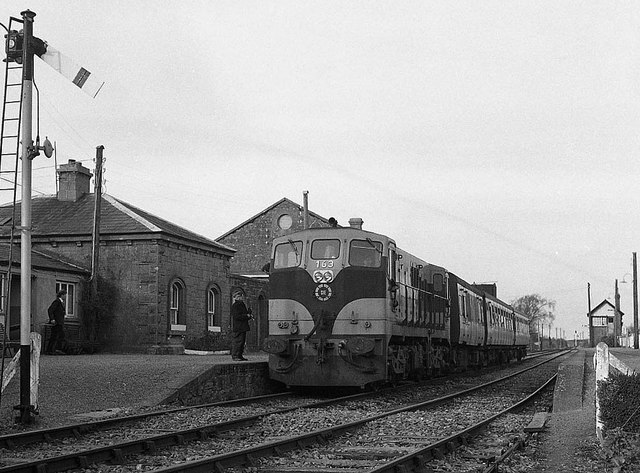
56 313
240 317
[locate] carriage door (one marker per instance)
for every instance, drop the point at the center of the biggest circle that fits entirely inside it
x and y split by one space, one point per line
392 274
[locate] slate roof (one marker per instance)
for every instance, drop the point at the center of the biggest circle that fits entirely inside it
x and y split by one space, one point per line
53 218
602 304
40 260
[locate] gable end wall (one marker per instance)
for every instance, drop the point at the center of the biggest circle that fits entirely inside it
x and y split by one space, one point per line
253 240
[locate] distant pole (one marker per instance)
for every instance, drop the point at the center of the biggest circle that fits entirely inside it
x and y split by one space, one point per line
616 317
635 301
28 153
305 198
589 315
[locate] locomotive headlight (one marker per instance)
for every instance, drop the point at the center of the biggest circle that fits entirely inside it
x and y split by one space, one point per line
328 276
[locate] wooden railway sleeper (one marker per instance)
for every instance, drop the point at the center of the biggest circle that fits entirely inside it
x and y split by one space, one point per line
83 461
420 462
118 456
252 460
437 453
219 467
150 447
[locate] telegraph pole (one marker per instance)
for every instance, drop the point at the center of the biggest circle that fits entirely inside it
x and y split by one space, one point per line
28 153
589 315
96 220
635 301
616 318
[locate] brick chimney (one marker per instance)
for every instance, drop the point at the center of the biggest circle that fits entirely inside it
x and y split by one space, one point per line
73 181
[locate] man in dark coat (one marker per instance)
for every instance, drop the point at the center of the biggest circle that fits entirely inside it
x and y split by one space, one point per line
56 319
240 317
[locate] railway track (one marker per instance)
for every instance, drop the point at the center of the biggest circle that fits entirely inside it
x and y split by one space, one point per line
237 436
403 439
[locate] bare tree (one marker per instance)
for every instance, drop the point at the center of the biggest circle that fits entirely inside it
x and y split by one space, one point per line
537 308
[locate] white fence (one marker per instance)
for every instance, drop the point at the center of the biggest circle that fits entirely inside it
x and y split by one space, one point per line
602 361
34 358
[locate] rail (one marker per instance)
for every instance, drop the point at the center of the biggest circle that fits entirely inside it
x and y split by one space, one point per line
603 361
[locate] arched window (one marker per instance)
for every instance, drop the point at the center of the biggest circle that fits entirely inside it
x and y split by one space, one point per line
177 313
213 304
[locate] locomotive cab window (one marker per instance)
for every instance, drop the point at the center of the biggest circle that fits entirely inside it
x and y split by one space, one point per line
365 253
288 255
325 249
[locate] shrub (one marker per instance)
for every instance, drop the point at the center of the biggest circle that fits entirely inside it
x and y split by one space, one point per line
622 449
619 397
98 310
209 342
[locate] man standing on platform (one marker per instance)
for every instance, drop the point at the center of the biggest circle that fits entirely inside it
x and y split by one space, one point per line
56 318
240 317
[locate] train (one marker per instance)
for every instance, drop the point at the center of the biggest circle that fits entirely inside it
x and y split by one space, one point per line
348 308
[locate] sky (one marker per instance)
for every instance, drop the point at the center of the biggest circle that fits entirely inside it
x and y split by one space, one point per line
498 139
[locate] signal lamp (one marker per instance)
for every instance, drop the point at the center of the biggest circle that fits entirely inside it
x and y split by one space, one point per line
13 46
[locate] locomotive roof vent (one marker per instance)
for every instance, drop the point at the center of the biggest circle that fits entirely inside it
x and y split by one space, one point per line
356 223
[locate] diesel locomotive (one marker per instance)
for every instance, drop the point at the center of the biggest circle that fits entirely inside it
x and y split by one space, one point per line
349 308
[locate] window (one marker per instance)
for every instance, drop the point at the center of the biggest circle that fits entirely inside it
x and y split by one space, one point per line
325 249
464 307
392 263
365 253
285 221
3 292
70 301
176 307
599 321
438 283
288 255
213 298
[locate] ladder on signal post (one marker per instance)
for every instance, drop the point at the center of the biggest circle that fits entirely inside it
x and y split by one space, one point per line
9 160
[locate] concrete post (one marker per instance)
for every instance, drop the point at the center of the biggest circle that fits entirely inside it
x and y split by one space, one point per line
601 365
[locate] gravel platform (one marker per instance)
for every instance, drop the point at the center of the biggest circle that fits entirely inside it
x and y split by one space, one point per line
571 427
79 384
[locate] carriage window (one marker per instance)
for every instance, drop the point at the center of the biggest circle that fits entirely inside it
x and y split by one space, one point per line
365 253
325 249
392 264
438 281
288 255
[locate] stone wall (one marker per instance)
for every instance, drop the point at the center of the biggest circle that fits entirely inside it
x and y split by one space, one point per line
143 271
224 382
253 239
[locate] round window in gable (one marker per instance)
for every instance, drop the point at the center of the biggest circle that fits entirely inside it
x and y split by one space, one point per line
285 221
